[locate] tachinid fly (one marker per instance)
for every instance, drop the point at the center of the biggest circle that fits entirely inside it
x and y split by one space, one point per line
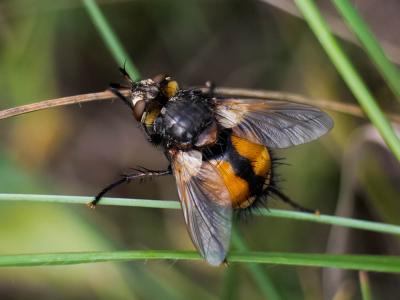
218 150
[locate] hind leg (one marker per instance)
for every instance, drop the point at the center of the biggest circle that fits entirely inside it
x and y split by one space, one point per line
140 174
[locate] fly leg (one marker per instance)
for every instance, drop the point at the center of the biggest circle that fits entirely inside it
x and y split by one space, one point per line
141 174
125 74
115 89
293 204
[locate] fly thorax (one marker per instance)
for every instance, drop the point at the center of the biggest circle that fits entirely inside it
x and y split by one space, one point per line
184 122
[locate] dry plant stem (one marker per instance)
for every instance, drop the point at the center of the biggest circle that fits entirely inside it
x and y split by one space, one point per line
339 107
349 109
27 108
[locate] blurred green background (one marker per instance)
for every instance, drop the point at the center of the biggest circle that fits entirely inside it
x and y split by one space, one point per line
51 49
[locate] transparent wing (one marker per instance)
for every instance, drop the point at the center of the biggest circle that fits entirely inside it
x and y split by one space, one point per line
206 204
276 124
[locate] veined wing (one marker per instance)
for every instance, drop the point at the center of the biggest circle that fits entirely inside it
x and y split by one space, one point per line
276 124
206 204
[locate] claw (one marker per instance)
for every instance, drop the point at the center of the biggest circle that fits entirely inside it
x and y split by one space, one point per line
91 205
225 263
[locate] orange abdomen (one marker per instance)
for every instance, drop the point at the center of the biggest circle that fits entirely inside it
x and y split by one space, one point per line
246 171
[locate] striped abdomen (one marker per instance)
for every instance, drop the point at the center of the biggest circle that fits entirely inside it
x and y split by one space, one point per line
245 168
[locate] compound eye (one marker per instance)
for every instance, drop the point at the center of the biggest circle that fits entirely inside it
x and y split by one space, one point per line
138 110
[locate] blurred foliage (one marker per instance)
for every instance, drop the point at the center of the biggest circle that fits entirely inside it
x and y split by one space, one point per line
51 49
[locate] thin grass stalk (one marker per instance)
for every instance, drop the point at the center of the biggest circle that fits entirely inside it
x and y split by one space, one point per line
365 285
260 277
371 45
110 38
371 263
164 204
231 283
349 74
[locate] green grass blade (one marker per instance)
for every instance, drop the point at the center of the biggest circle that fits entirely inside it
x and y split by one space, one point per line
273 213
260 277
364 285
388 70
85 200
230 288
372 263
332 220
349 74
110 38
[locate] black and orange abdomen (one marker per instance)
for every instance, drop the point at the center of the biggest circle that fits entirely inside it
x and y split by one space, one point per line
245 168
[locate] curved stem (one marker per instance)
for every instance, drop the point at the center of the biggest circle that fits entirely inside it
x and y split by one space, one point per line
375 52
349 74
339 107
110 39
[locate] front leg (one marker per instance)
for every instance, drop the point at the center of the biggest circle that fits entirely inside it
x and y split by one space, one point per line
141 173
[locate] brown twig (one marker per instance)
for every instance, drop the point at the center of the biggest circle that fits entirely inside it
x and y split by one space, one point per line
27 108
340 107
344 108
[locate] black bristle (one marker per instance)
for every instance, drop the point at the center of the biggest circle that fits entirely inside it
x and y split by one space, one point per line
271 190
